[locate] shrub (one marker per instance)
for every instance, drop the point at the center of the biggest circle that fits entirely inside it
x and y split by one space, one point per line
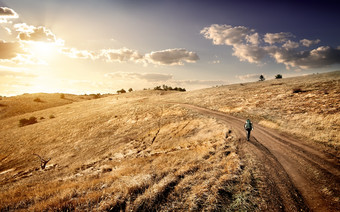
168 88
37 100
62 96
41 118
278 76
24 122
121 91
130 89
52 116
262 78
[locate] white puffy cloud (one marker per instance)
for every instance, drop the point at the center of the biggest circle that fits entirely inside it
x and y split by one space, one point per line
121 55
290 45
6 13
250 53
80 54
247 47
253 39
172 57
308 43
32 33
280 37
227 35
149 77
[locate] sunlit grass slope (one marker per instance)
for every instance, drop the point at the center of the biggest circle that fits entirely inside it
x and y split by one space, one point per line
307 106
127 152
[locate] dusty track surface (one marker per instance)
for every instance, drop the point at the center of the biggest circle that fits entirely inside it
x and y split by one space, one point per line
295 175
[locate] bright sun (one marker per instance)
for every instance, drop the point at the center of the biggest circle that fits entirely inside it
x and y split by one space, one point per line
42 50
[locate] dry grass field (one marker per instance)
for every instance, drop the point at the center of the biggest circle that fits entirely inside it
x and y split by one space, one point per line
16 105
140 152
122 153
307 106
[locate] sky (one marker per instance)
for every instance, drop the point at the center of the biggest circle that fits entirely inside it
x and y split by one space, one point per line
88 46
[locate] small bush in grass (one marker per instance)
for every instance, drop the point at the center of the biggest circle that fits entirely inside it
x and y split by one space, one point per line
278 76
262 78
37 100
41 118
24 122
52 116
62 96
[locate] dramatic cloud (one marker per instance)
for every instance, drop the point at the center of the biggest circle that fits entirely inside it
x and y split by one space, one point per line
281 37
149 77
316 58
9 50
308 43
121 55
80 54
228 35
6 13
172 57
247 47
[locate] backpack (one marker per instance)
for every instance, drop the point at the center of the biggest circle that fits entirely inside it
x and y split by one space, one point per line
248 125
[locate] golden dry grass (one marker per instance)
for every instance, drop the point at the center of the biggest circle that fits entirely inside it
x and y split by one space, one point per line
121 153
307 106
17 105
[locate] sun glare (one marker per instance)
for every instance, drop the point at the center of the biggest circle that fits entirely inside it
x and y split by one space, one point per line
42 49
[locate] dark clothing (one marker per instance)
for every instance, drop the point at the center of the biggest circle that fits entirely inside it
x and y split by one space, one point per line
248 127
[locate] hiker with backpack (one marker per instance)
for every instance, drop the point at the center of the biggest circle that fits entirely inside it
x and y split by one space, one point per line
248 127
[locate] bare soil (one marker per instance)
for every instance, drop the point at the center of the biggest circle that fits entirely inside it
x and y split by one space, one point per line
296 175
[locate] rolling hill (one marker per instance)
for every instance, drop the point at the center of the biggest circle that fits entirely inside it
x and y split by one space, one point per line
158 150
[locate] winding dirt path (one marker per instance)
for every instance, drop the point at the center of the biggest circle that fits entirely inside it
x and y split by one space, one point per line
295 175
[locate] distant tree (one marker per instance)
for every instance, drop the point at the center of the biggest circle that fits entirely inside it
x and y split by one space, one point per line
130 89
262 78
62 96
121 91
157 88
278 76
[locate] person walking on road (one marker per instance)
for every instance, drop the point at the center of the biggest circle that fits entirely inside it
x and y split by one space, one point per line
248 127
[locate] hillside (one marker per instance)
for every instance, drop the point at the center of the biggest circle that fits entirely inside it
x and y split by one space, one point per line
157 150
129 153
306 106
17 105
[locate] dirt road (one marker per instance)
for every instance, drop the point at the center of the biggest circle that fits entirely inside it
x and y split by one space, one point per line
295 175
